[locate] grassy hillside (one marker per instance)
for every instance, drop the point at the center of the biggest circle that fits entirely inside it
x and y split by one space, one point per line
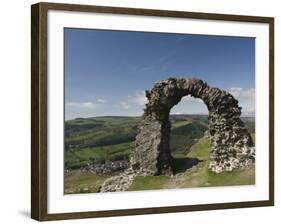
112 138
77 158
82 182
184 135
99 131
197 176
101 139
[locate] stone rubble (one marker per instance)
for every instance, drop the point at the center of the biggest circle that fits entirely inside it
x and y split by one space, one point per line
107 167
122 181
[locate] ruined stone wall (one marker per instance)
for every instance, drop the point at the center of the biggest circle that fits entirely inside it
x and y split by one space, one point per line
232 146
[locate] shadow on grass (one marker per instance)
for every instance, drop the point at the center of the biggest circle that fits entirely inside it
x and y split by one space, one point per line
180 165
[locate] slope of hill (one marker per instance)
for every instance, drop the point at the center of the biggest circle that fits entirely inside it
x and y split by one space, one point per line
99 131
96 148
112 138
197 175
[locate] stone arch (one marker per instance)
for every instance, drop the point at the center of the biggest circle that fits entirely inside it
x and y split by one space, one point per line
232 146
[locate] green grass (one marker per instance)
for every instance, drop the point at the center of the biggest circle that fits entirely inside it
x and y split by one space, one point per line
201 149
183 135
176 124
100 131
82 182
197 176
236 177
154 182
112 138
78 158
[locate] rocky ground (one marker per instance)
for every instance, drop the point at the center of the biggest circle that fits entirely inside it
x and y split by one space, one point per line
108 167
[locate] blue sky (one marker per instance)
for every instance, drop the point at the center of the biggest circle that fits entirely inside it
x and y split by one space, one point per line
107 72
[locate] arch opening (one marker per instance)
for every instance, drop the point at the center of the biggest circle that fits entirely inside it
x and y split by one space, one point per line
232 146
189 127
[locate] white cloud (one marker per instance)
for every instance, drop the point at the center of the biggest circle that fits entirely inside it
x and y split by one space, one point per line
177 113
134 103
139 99
190 105
246 99
248 111
101 101
191 99
88 105
124 105
242 93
